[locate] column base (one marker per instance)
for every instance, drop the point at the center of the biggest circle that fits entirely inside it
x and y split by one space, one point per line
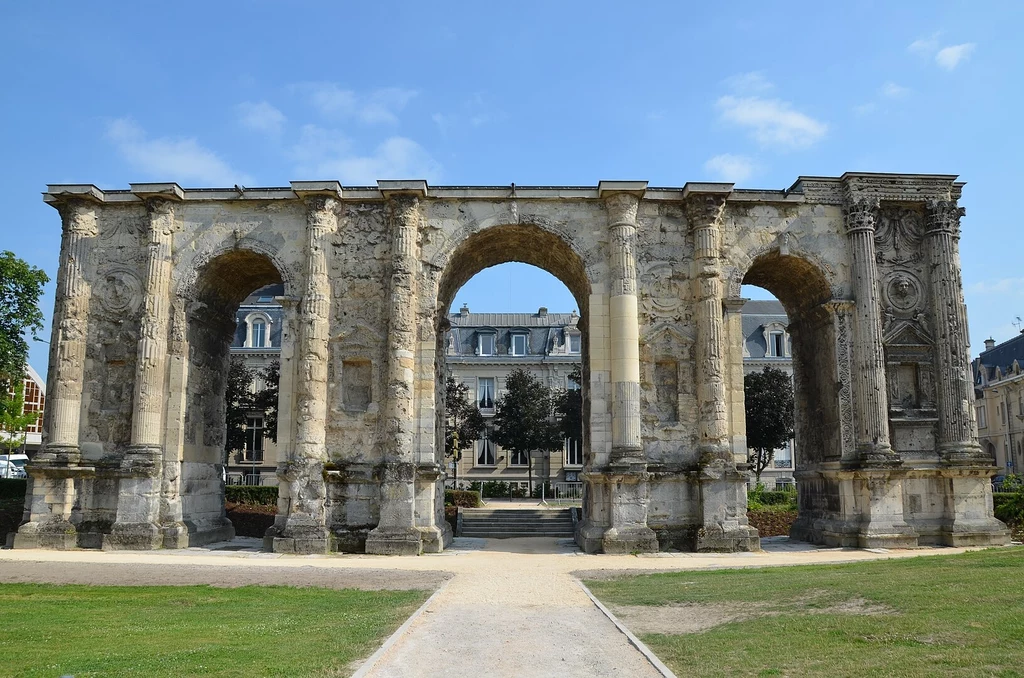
56 534
299 540
590 537
175 535
433 538
718 539
631 540
395 541
133 537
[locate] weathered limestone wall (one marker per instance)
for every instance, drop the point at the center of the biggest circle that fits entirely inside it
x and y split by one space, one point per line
866 265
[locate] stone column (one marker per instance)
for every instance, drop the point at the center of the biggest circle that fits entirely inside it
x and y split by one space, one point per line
704 213
305 529
870 394
624 328
956 435
733 313
722 480
52 492
396 533
138 504
174 529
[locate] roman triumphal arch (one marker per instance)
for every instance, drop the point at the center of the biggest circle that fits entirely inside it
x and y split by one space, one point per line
867 266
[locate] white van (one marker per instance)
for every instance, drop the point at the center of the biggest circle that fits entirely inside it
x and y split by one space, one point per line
13 465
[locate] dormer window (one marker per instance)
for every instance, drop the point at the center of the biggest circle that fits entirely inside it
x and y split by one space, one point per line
257 333
776 340
518 344
575 343
485 344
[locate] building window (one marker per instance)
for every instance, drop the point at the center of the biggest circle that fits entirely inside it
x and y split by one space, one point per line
259 333
574 343
485 393
484 451
777 347
254 439
1002 413
519 459
573 452
485 345
518 344
982 417
571 384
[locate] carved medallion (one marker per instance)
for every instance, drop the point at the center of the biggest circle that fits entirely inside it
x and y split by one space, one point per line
902 290
660 293
119 291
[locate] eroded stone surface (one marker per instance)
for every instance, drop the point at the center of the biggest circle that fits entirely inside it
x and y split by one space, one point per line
866 265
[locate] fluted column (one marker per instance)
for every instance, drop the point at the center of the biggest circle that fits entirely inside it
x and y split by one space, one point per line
870 395
396 533
956 435
151 363
624 328
303 490
70 325
705 213
51 496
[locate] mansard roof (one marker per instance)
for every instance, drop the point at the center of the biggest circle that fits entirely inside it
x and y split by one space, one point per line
544 331
1001 357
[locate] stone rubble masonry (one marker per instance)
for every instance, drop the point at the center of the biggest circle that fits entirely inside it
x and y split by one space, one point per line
867 266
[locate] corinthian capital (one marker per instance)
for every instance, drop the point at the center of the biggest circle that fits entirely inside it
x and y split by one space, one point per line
943 216
622 208
859 214
705 210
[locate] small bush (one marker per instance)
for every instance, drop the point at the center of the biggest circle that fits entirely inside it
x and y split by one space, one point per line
13 488
463 498
548 493
1009 506
260 495
759 498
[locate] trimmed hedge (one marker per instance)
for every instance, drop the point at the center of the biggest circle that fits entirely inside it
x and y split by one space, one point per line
263 495
1009 506
463 498
13 488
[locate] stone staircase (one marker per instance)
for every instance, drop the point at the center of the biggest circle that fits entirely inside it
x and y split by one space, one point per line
492 523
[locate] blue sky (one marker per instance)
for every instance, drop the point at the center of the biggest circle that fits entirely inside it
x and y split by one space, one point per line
261 93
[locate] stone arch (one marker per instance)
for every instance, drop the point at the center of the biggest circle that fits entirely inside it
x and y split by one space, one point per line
484 247
221 282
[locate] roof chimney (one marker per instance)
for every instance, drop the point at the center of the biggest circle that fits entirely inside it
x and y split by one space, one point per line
464 311
542 311
990 344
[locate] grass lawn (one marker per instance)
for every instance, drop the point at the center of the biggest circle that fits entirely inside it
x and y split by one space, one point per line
957 615
48 630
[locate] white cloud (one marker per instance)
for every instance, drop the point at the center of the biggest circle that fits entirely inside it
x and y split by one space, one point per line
772 122
728 167
749 83
894 91
329 154
950 57
379 106
167 159
926 46
1001 286
865 109
261 117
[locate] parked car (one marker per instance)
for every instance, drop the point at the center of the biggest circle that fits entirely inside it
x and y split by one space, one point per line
13 465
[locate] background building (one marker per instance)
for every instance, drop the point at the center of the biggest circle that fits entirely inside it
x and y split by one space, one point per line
258 342
35 399
482 348
999 402
766 343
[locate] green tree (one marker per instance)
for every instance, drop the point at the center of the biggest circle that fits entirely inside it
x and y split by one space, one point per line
14 420
21 285
523 419
463 422
768 397
239 401
266 399
568 404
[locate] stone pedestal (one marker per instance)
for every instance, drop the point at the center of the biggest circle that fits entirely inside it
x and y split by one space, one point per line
723 509
50 501
138 507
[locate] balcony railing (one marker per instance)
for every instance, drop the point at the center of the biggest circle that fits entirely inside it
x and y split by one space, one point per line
783 463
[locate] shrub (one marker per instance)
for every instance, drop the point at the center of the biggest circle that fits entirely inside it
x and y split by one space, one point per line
260 495
548 493
251 520
463 498
759 498
13 488
1009 506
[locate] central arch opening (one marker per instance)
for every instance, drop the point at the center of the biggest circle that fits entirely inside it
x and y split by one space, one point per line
512 311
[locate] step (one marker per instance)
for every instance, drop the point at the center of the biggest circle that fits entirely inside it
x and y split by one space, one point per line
513 535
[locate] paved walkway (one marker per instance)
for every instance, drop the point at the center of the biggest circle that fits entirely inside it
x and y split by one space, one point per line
513 607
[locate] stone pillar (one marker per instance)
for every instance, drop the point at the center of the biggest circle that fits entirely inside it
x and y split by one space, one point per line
722 480
304 528
138 504
396 533
619 524
624 328
956 434
870 394
175 531
733 310
52 494
967 476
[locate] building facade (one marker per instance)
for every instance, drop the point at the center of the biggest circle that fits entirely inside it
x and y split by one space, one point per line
481 349
766 343
35 399
998 374
257 341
